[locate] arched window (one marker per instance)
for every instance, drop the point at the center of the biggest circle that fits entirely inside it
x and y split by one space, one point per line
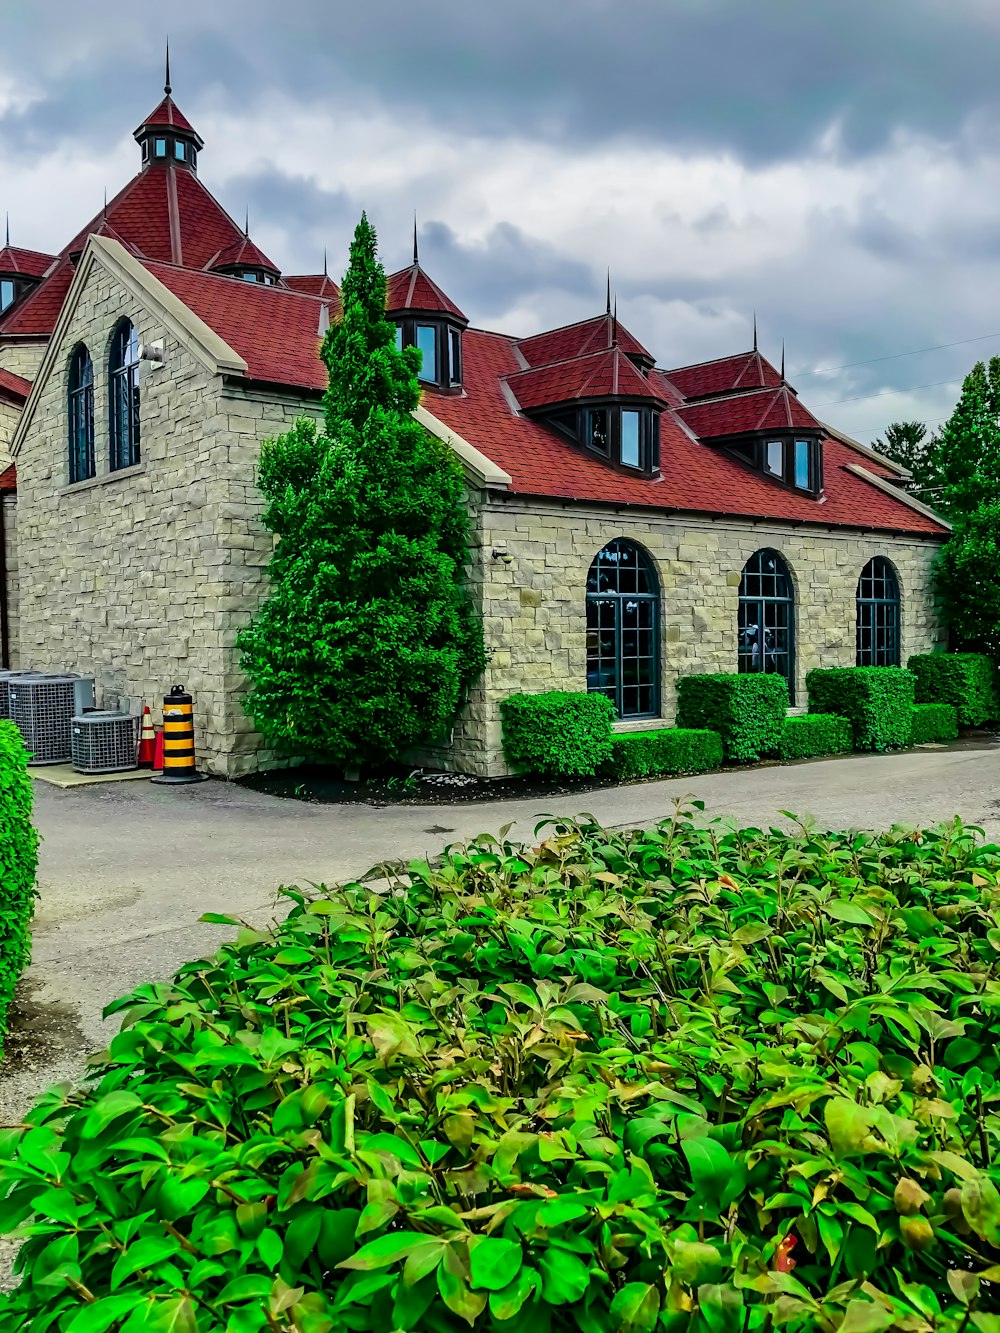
623 629
124 376
767 618
878 614
81 416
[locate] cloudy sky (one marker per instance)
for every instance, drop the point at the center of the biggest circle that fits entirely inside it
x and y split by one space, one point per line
834 165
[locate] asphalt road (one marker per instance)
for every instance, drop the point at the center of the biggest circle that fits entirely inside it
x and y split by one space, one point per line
127 869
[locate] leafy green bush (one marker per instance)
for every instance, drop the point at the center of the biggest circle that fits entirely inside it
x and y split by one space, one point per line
934 723
746 711
605 1083
878 702
18 862
813 734
967 680
562 733
650 754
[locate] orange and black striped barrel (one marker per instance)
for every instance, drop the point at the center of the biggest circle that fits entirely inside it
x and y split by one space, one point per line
178 738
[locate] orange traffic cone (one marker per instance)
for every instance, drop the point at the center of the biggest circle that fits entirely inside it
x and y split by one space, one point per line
158 752
147 740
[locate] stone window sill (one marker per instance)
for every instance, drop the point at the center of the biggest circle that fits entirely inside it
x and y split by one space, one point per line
640 724
103 479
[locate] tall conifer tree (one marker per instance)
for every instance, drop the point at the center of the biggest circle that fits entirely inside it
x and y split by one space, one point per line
368 641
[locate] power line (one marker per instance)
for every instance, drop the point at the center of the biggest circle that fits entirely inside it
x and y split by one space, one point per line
887 393
895 356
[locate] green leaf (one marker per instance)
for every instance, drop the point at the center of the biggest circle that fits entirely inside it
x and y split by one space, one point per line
455 1292
507 1302
144 1253
565 1277
108 1109
866 1317
385 1250
635 1308
98 1317
841 910
711 1167
848 1125
246 1287
494 1262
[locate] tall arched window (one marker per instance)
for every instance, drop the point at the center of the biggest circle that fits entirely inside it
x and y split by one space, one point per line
623 629
767 618
878 614
124 380
81 416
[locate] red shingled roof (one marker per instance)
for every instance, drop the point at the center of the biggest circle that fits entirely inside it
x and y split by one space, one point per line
749 370
608 371
313 284
763 409
275 331
13 387
8 480
578 339
167 116
242 253
412 289
694 477
25 263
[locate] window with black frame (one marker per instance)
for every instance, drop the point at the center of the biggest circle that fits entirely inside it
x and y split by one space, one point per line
878 615
81 416
623 629
766 627
124 397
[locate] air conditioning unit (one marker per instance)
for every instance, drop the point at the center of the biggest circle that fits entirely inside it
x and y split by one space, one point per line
5 676
43 707
105 742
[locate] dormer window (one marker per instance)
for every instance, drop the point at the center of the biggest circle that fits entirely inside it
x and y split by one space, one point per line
6 293
160 147
793 460
627 435
440 347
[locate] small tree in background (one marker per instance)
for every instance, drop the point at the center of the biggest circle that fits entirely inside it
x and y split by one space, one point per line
968 580
368 641
907 444
968 450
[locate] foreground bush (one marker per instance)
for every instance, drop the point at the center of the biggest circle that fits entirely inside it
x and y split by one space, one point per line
967 680
813 734
562 733
934 723
613 1082
18 862
672 750
746 711
878 702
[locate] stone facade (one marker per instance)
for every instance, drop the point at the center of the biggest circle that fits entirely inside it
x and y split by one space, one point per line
534 607
22 358
143 577
9 503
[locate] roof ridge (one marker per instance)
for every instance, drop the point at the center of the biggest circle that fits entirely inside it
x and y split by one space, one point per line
712 361
153 264
565 361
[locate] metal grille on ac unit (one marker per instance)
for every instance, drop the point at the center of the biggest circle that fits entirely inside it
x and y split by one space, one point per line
43 707
105 742
5 676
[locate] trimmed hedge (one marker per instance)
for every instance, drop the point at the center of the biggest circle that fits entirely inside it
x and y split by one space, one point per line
746 711
933 723
672 750
967 680
878 702
813 734
560 734
18 863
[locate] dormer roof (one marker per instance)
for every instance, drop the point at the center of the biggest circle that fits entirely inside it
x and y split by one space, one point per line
727 374
24 263
313 284
412 289
608 373
745 413
168 116
242 253
578 339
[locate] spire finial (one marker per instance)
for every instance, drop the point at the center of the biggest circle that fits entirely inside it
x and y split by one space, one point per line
614 324
105 203
782 360
8 228
755 330
246 224
416 253
608 307
166 83
326 271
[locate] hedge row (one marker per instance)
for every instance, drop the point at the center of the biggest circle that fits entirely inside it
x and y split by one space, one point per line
747 711
877 701
665 753
560 734
966 680
18 862
815 734
934 723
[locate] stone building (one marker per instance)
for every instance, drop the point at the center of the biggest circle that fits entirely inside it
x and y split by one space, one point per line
631 524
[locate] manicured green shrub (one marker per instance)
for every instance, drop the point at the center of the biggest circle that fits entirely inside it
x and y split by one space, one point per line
967 680
18 862
813 734
601 1084
934 723
559 734
746 711
650 754
878 702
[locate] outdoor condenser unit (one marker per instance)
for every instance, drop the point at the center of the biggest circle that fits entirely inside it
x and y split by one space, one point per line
5 676
43 707
105 742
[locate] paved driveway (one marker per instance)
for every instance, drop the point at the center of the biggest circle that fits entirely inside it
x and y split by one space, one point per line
127 869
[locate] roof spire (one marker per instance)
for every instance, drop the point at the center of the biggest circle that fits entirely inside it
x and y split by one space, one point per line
8 228
166 83
608 307
105 203
246 224
326 271
755 330
416 253
614 325
782 360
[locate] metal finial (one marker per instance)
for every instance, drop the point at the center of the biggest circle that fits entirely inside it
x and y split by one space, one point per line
326 271
614 325
105 203
755 330
8 229
608 307
416 254
246 224
782 360
166 84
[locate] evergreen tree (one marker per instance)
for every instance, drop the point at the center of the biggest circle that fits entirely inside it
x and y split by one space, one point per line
907 444
968 452
368 641
968 580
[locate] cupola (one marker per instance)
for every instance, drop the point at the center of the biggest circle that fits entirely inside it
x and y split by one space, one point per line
20 271
167 136
246 261
429 320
